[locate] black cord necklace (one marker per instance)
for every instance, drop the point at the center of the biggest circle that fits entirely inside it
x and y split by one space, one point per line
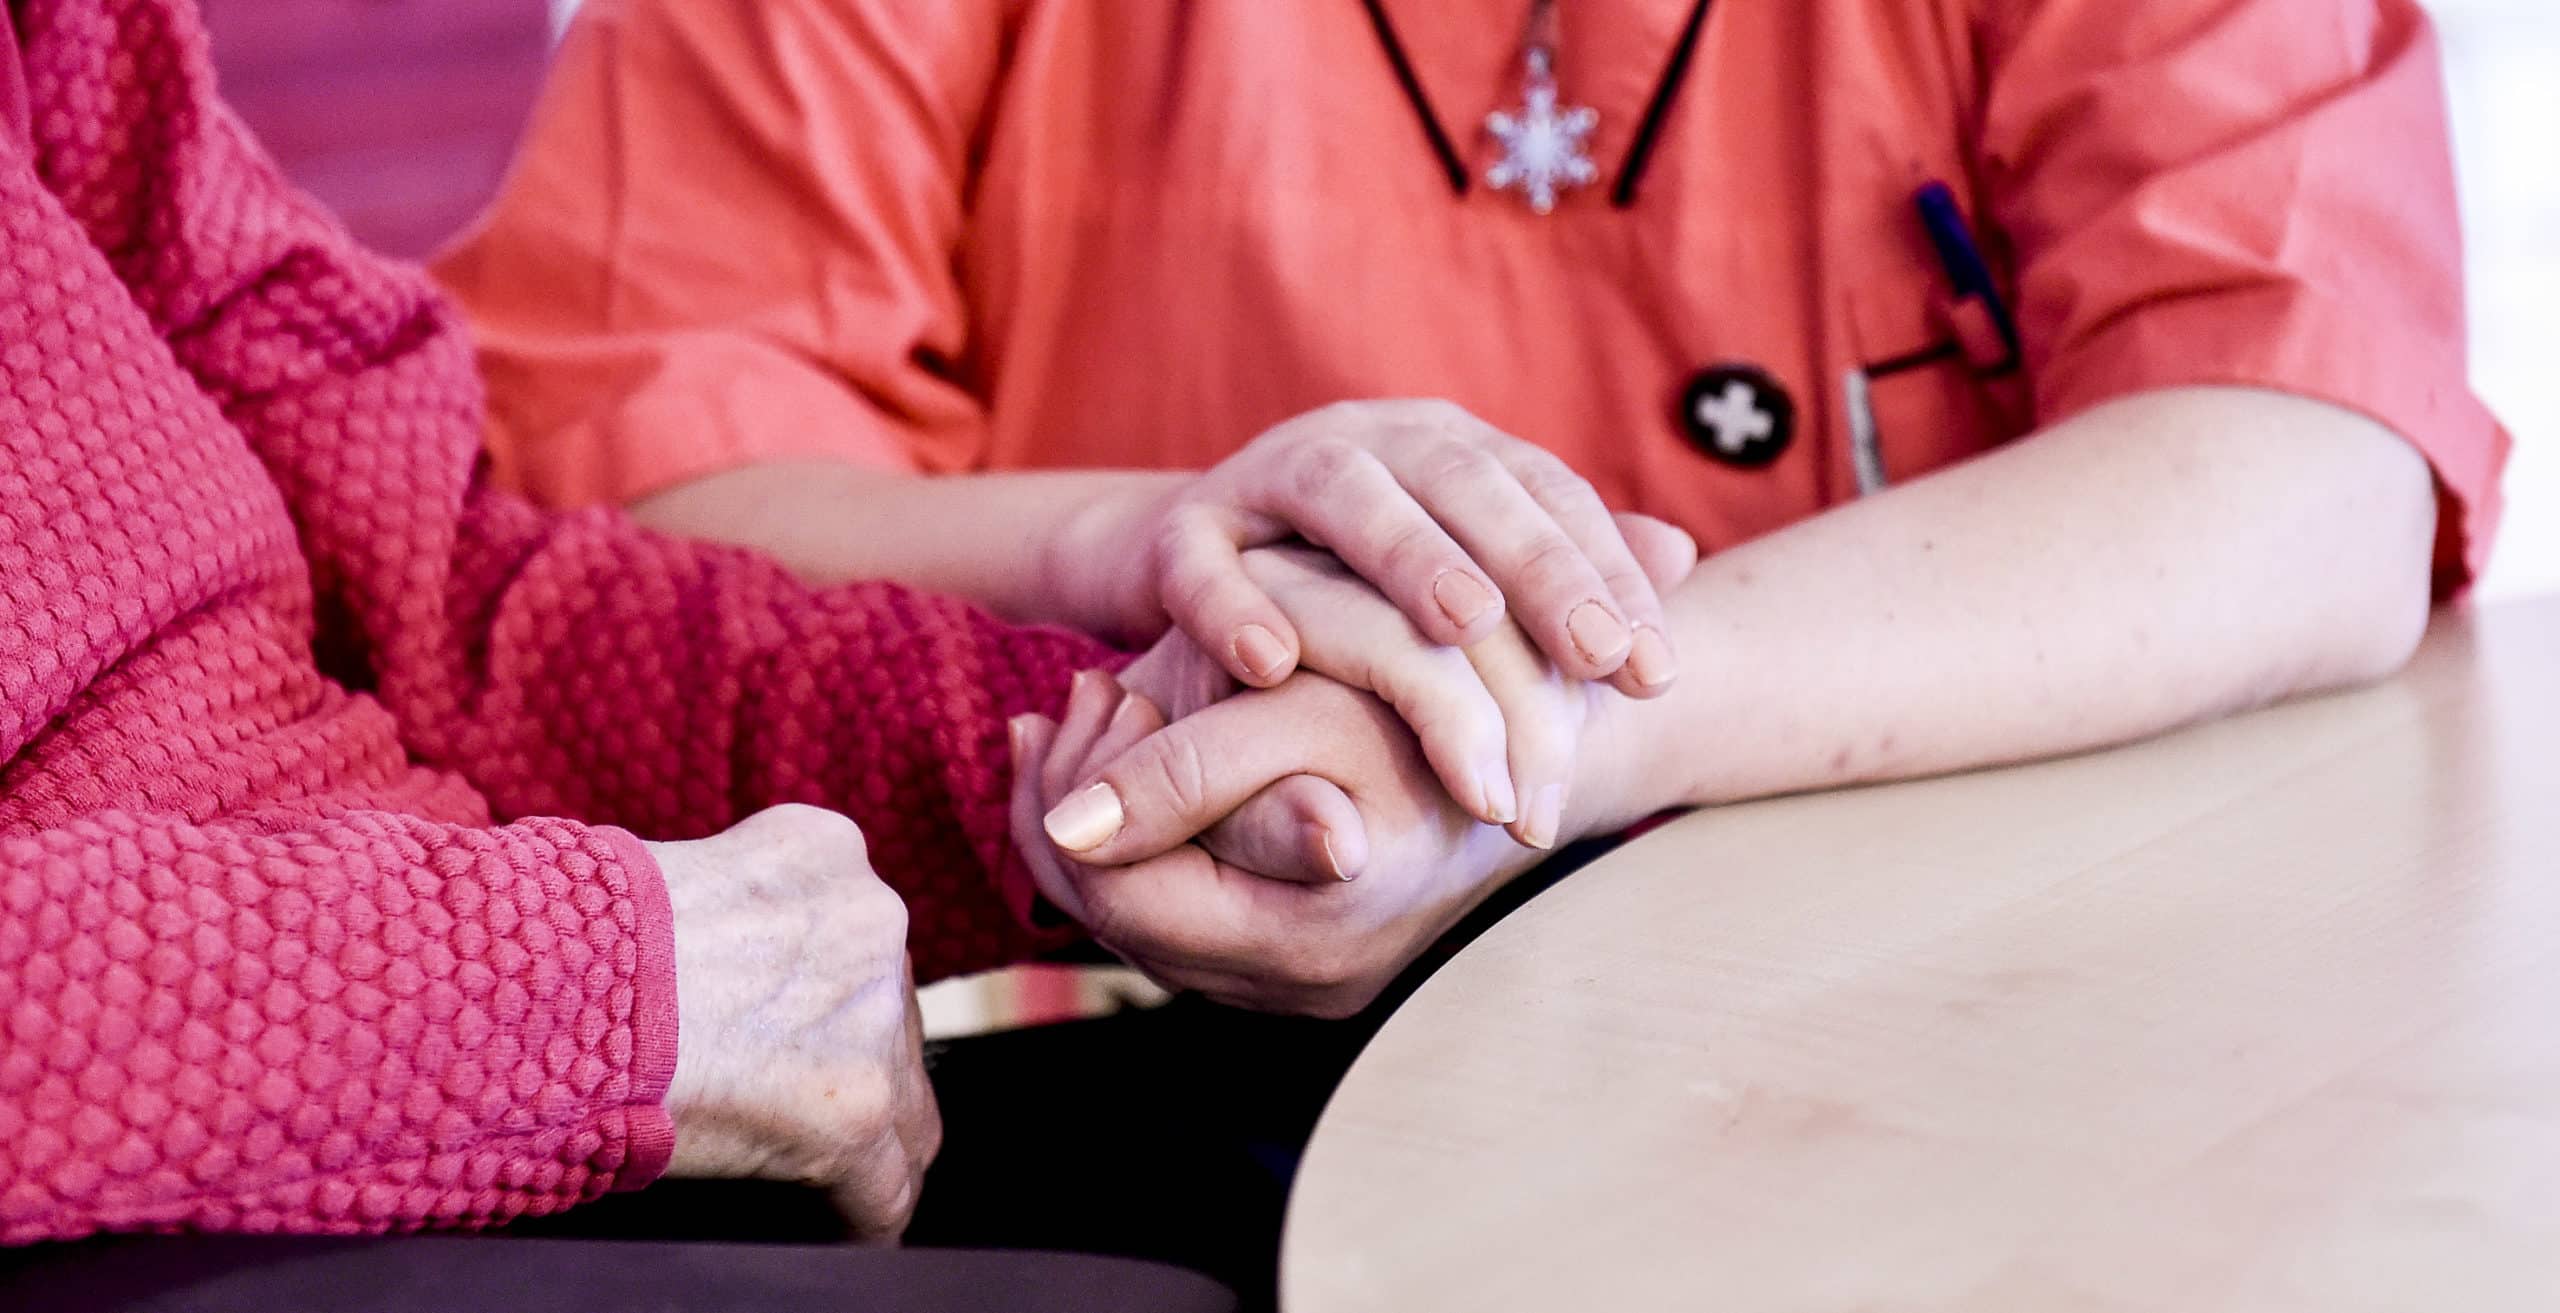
1542 141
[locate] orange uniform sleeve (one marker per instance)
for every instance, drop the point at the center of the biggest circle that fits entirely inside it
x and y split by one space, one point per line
729 237
2251 192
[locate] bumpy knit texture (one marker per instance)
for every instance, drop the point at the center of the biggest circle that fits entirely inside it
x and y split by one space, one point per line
274 667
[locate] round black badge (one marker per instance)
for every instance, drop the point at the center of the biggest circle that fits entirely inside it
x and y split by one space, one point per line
1738 414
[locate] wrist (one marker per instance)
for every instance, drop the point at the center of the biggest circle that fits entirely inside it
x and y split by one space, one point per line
688 973
1624 772
1094 560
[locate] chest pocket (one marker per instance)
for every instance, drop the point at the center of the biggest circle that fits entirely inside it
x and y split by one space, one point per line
1940 383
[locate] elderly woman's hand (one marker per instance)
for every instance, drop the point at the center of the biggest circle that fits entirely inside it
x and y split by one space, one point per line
1185 914
799 1048
1499 724
1373 761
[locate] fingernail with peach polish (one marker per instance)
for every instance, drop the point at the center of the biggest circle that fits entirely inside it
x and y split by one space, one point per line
1260 651
1086 820
1546 816
1601 637
1462 597
1649 659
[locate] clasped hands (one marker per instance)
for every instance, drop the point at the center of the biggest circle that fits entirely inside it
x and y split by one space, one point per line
1397 648
1293 847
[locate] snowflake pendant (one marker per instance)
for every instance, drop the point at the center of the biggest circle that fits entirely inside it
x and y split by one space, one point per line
1543 147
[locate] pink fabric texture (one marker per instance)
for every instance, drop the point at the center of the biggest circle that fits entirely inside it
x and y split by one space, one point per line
289 939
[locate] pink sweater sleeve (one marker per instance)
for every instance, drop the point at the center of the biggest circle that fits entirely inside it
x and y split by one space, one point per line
325 1023
564 665
272 665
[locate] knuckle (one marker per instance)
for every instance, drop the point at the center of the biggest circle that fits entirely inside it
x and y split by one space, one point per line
818 834
1530 462
1553 482
1630 586
1325 468
866 924
1552 564
888 912
1174 771
1455 462
1415 549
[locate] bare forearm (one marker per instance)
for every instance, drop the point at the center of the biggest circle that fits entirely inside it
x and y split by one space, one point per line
2162 560
1027 546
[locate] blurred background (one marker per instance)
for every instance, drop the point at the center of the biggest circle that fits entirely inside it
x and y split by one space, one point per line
400 114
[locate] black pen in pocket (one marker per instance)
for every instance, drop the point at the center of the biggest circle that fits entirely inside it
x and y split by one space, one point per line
1969 278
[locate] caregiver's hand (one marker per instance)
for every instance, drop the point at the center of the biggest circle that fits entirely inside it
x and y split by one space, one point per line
1450 518
1194 922
799 1048
1499 724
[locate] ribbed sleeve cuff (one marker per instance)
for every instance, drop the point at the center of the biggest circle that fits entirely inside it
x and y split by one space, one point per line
653 1014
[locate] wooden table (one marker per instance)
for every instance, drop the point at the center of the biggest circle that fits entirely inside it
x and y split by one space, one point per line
2264 1016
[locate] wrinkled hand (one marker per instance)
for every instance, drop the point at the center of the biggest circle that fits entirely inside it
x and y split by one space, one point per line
1293 791
1500 725
1192 921
1453 520
800 1050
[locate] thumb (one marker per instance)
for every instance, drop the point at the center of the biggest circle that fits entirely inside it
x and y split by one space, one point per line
1187 777
1302 829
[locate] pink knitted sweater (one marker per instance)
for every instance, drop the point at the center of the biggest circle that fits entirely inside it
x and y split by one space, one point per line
314 914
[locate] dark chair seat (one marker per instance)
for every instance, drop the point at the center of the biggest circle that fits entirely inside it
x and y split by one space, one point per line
434 1274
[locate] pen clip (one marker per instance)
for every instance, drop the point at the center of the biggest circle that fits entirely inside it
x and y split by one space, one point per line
1968 273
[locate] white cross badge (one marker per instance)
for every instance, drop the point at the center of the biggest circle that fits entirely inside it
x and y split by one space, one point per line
1738 414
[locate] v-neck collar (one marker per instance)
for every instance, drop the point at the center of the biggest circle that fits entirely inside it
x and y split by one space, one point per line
1610 56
